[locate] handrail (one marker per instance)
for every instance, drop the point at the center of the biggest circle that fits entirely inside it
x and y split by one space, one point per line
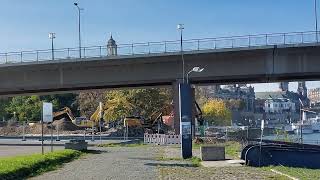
166 46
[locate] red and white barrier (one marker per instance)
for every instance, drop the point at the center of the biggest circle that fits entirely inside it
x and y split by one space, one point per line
161 139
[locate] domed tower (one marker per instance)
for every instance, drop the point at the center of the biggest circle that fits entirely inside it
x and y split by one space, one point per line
112 47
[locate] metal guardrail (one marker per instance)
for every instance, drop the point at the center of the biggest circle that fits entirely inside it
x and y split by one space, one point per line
165 47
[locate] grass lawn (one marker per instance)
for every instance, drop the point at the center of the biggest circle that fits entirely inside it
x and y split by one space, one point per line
134 144
20 167
300 173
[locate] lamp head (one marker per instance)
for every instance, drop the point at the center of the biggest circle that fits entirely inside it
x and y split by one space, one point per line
52 35
76 4
197 69
180 26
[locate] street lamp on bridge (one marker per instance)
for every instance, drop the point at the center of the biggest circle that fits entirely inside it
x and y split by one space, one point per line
316 19
52 36
79 26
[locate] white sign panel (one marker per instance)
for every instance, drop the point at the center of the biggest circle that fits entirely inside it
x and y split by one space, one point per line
47 112
262 124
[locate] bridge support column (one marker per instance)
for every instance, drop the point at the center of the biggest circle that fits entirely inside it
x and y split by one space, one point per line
183 115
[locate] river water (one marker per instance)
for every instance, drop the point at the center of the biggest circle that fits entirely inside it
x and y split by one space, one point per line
313 138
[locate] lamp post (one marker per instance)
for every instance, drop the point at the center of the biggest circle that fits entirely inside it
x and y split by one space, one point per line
194 69
181 28
52 36
316 18
79 27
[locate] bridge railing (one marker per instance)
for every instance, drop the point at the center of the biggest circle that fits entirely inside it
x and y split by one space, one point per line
164 47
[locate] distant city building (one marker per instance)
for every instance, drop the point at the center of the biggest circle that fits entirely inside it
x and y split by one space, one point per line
284 86
314 96
238 92
112 47
302 89
280 105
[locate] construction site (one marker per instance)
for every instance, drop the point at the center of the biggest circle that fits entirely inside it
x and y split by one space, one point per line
65 123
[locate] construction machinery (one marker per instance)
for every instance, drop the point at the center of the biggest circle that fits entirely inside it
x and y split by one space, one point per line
64 113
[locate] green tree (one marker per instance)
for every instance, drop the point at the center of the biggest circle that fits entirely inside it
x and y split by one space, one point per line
27 108
216 112
139 102
88 101
4 102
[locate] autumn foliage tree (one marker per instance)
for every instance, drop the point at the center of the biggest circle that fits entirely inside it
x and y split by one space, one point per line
216 112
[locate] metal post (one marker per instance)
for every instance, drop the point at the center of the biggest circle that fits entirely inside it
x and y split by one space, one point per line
316 19
226 134
100 51
92 137
249 41
42 150
52 50
266 39
181 49
132 49
149 47
84 52
165 46
68 52
37 56
284 38
24 131
51 137
21 56
58 138
79 27
6 57
198 44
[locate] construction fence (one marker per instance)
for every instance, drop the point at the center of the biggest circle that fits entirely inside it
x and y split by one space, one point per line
162 139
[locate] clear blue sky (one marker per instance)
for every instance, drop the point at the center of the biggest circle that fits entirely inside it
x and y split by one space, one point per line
25 24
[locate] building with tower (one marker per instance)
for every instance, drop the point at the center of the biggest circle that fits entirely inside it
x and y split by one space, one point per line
112 49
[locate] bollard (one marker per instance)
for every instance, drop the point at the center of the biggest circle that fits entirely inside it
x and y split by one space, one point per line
92 137
51 137
58 138
24 131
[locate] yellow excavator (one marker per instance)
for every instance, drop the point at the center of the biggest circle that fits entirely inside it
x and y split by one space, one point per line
64 113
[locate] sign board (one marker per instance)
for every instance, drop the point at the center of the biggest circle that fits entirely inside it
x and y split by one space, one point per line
262 124
47 115
186 128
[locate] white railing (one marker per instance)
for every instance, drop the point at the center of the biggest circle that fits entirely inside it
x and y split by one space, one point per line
161 139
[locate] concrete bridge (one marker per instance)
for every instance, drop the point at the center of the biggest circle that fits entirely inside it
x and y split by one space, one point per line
247 64
269 61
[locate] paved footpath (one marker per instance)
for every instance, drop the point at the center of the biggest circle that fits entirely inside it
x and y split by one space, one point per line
129 163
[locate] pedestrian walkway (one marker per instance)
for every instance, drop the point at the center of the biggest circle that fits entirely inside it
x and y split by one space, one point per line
109 163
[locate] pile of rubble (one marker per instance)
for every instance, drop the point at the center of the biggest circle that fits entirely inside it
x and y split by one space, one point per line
64 125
